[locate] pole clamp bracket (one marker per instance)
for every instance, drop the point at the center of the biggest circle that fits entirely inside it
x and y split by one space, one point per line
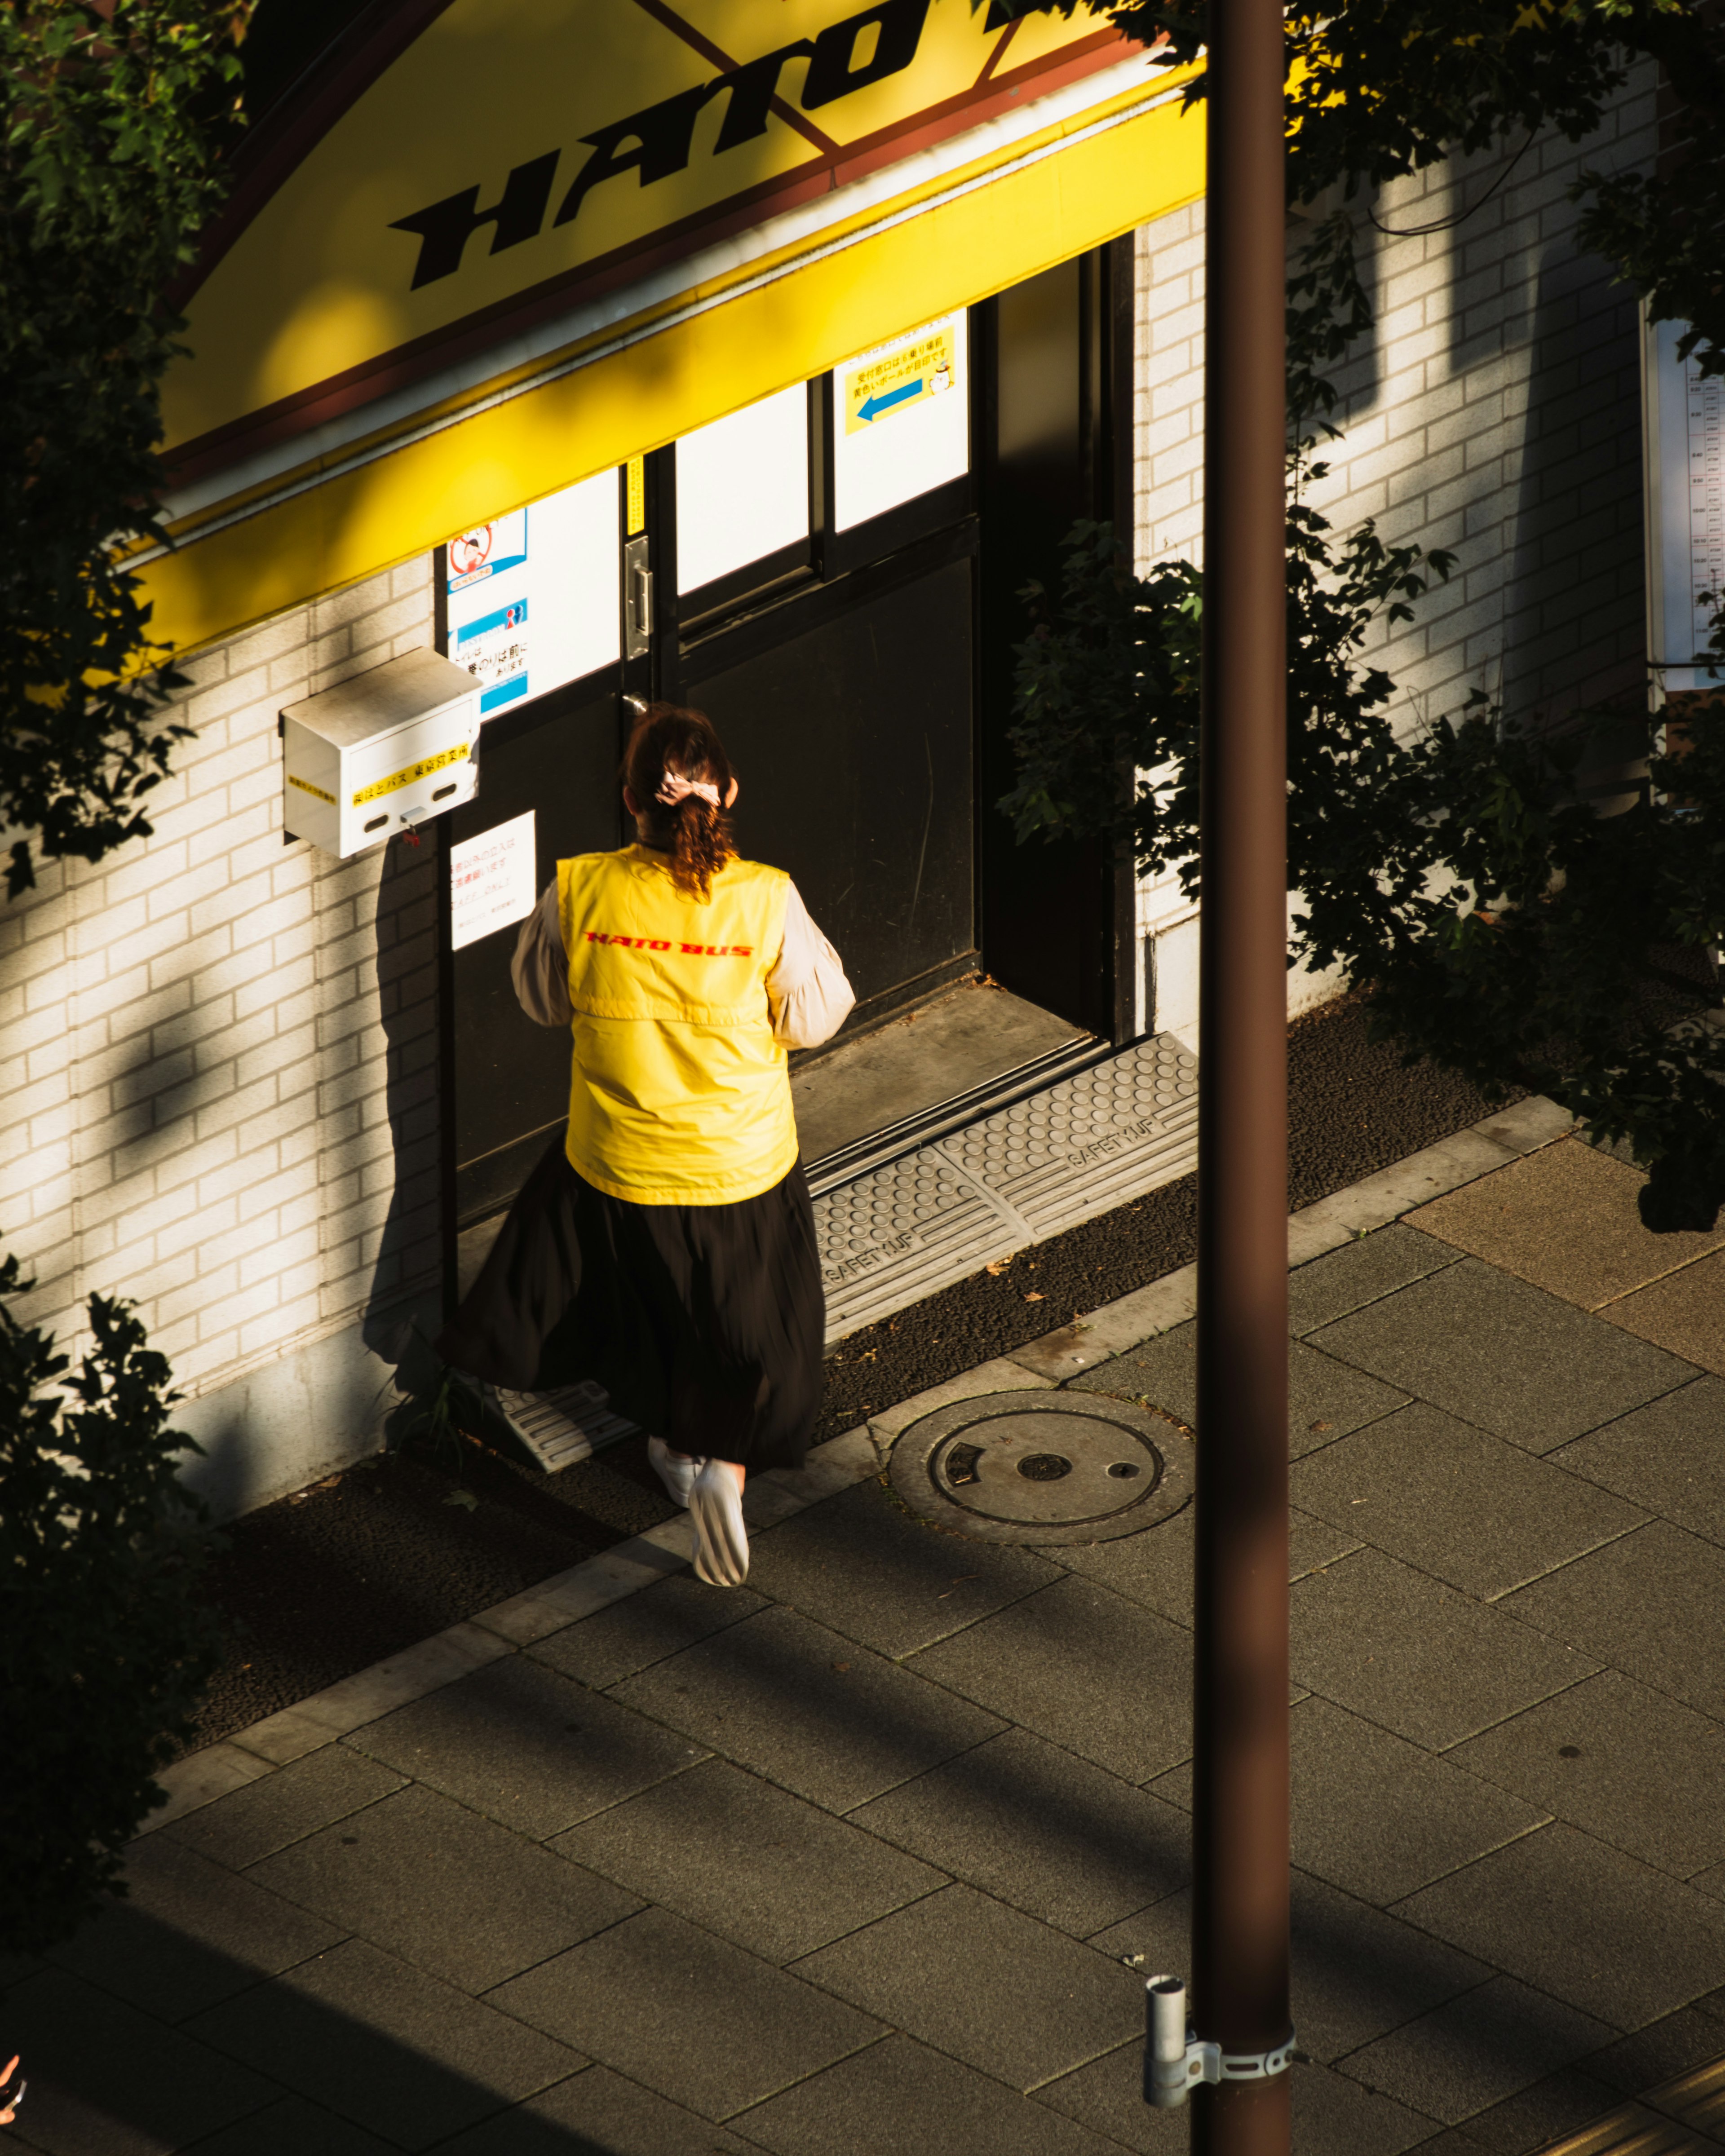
1176 2060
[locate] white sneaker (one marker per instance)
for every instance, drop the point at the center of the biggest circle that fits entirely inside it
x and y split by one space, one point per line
675 1470
721 1541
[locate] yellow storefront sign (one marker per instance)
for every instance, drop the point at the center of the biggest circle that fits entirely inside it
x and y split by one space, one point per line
522 241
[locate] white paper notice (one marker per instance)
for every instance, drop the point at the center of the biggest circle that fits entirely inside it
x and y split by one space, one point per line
491 881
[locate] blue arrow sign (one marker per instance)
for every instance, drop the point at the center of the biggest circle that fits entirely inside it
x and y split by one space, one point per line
875 406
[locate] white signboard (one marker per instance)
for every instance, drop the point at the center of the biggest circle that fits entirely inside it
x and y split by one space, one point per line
532 596
491 881
1686 509
742 488
901 421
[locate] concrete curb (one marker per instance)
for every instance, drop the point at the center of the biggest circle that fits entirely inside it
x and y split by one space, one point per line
599 1581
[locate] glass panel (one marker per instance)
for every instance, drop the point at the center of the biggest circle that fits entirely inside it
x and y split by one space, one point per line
742 488
901 421
533 597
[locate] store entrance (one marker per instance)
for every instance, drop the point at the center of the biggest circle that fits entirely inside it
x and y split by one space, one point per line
831 575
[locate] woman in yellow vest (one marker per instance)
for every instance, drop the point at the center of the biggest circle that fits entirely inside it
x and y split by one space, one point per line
666 1245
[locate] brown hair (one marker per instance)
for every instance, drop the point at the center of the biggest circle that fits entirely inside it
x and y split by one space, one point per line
667 743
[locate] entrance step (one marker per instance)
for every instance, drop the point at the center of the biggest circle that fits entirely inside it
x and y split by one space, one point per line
1060 1156
561 1427
909 1081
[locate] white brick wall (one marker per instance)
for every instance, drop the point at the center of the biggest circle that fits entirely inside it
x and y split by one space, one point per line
218 1095
1494 409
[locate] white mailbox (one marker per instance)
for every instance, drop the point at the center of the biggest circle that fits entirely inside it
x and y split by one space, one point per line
380 753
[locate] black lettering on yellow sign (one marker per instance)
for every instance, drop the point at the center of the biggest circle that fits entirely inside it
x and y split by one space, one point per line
306 786
423 769
659 141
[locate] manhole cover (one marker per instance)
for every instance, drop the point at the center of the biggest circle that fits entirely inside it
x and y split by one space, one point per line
1042 1467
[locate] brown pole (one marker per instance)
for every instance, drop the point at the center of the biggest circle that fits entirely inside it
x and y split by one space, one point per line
1240 1797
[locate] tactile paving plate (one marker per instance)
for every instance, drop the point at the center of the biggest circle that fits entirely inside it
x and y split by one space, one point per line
1090 1142
893 1236
1061 1157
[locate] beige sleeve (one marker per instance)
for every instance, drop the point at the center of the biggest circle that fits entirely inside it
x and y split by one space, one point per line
540 969
809 996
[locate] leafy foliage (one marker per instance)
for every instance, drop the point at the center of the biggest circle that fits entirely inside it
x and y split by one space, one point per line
1503 925
105 1640
110 165
1378 89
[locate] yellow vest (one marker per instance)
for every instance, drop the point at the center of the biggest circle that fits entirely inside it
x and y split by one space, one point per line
679 1095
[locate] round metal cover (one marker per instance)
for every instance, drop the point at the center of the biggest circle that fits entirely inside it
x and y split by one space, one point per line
1042 1467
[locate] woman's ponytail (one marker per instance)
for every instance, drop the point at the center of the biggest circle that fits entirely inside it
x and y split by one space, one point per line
676 767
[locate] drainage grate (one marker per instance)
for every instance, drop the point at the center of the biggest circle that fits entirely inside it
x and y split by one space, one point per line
1042 1467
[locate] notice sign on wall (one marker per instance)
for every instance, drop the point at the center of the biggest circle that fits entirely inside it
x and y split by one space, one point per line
909 374
491 881
902 423
530 598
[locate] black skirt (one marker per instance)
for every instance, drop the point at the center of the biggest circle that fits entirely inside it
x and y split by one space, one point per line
705 1323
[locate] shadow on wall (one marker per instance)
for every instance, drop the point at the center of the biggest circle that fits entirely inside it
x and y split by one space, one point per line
323 1405
1574 626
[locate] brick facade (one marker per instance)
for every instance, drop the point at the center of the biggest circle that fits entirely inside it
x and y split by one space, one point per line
1493 409
219 1091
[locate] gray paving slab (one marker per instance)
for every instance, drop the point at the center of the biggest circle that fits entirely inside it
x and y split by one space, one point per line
1374 1814
1560 1910
1107 2096
1652 1604
1664 2049
293 2127
283 1807
1668 1456
188 1933
597 2113
688 2016
900 2098
361 2033
1356 1972
1553 2108
108 2080
1023 1819
1155 1567
809 1709
1332 2116
1326 1398
1477 2050
1503 1355
1335 2117
1344 1280
644 1628
1454 1502
1054 1662
1396 1646
745 1859
986 1985
1684 1313
1623 1762
531 1750
861 1564
445 1889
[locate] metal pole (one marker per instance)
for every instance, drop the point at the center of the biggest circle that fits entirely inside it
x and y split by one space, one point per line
1240 1823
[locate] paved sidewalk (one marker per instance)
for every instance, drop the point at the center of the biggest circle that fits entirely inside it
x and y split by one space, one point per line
869 1860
